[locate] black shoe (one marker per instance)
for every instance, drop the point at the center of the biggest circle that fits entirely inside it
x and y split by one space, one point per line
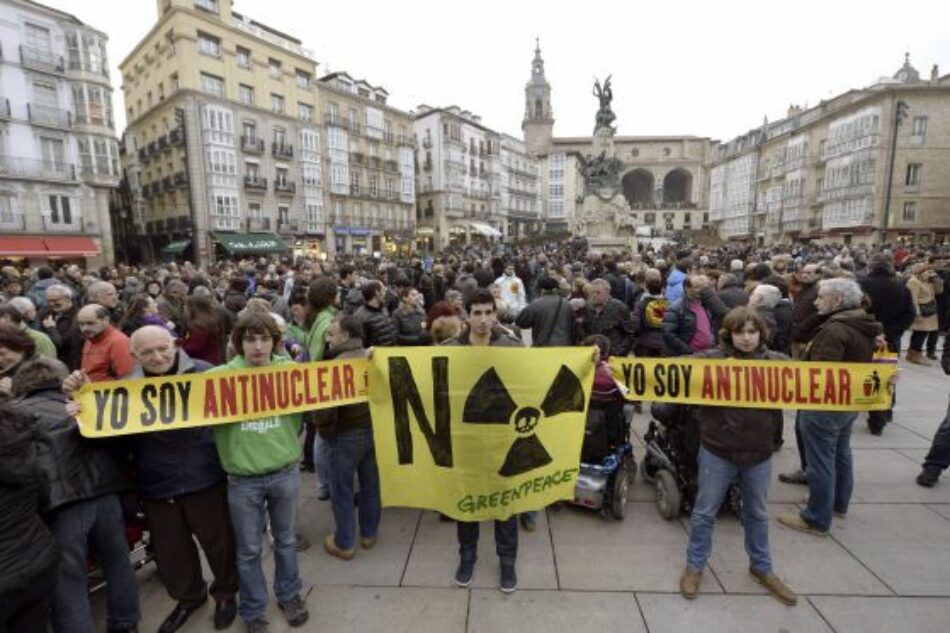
931 355
509 579
797 477
224 613
323 495
177 618
928 476
295 611
529 521
876 429
465 574
123 629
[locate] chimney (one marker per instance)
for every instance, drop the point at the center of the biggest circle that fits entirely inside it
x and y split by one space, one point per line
934 75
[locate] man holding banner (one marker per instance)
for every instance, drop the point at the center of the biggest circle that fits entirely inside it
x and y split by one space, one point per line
481 320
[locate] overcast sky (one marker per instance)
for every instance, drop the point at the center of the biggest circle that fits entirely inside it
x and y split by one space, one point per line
709 68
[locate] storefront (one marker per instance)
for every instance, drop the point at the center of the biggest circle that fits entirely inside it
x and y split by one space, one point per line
180 249
310 248
238 245
353 240
50 249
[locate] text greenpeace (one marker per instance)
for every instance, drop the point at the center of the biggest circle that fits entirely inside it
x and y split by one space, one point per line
176 402
479 433
757 383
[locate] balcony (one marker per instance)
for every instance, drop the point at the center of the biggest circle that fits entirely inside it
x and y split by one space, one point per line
251 145
285 187
146 191
163 143
49 116
225 222
258 224
405 140
357 158
354 127
41 59
75 226
286 227
334 120
255 183
5 109
16 167
279 150
176 137
375 162
181 179
184 223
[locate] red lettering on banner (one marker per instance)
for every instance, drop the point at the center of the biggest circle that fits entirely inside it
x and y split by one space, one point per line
813 374
738 383
296 398
722 383
228 397
799 396
336 389
707 384
283 390
844 386
831 394
266 385
787 394
772 388
349 388
211 402
322 383
308 395
758 384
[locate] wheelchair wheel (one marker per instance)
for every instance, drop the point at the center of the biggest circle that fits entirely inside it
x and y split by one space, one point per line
668 498
648 470
618 497
630 465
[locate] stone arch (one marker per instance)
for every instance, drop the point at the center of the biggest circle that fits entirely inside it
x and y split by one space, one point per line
638 187
678 186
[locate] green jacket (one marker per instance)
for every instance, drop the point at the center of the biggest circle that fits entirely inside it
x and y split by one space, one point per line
257 447
315 337
44 344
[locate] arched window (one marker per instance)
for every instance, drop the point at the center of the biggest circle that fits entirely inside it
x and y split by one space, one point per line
538 108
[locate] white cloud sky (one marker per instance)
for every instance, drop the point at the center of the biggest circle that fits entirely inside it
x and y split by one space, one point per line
708 68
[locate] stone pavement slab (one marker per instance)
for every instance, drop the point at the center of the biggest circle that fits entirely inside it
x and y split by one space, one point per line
548 611
943 509
728 614
884 615
887 476
807 564
385 610
904 545
435 556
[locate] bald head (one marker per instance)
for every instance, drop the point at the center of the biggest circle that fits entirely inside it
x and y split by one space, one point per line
154 349
103 293
93 319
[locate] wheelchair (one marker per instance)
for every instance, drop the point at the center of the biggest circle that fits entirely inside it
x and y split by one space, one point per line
671 461
607 466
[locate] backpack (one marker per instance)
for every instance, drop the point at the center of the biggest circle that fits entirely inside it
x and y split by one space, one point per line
654 311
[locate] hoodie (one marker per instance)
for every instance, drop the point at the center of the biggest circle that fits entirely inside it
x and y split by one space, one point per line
847 336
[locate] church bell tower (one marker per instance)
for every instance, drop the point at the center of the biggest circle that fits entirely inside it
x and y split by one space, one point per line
538 122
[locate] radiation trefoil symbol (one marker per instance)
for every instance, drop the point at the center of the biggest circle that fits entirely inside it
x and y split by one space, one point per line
490 403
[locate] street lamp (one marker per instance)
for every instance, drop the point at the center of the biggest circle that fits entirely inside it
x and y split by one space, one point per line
900 114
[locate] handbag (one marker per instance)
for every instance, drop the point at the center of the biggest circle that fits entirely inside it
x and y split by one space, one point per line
928 309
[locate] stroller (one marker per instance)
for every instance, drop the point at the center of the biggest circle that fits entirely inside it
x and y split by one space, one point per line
671 460
607 466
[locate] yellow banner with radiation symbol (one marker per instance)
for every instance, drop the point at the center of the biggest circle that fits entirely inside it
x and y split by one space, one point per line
479 433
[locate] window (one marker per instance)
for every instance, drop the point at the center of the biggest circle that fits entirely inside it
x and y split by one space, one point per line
649 218
243 57
355 182
274 69
913 174
919 126
910 212
305 112
281 177
207 5
310 175
252 171
276 104
280 135
246 94
54 153
254 211
222 161
303 80
212 85
38 38
209 45
58 209
373 186
249 130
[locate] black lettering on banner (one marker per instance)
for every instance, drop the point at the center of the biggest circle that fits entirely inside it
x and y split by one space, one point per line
658 372
120 408
184 392
405 393
166 400
687 376
635 377
102 398
148 415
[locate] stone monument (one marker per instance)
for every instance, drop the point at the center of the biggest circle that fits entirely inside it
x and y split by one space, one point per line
605 219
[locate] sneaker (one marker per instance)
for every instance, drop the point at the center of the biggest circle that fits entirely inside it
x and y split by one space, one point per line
295 610
258 626
303 543
928 476
795 477
796 522
529 521
509 579
367 542
329 544
465 573
689 583
776 587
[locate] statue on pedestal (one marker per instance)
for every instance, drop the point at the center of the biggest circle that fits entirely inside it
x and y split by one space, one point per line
605 116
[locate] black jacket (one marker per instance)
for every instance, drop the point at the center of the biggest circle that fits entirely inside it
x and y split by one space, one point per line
66 337
614 322
734 295
409 326
378 329
805 317
550 319
891 302
26 546
173 463
75 468
333 421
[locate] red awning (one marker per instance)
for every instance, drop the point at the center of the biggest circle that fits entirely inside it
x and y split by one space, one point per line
71 246
22 246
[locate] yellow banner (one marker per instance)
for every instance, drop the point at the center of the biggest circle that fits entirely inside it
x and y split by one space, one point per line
479 433
758 384
145 405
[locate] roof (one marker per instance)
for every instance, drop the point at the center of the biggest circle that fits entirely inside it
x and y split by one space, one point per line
359 82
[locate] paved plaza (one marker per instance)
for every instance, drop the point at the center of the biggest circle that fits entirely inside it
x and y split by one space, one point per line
886 567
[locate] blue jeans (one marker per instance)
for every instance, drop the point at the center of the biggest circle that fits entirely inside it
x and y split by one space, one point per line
827 438
98 521
715 476
939 454
321 463
353 453
248 499
506 539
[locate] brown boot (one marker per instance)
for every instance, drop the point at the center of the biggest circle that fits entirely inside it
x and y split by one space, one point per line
689 583
917 358
776 587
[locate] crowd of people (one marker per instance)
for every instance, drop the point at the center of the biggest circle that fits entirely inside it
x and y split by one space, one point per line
232 488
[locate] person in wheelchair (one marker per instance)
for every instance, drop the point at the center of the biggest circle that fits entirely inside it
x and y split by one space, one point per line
606 402
735 443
